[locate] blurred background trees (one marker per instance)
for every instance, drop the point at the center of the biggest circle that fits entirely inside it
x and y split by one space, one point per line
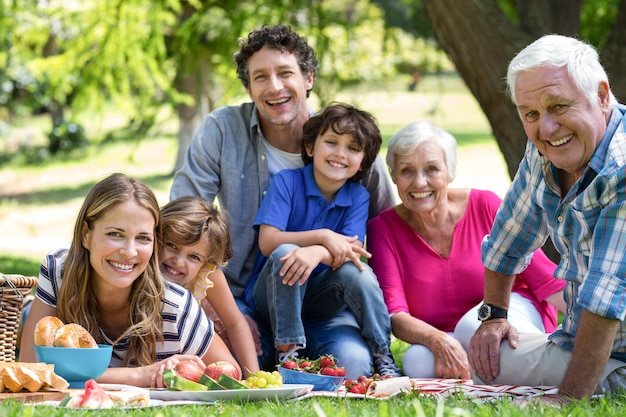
152 60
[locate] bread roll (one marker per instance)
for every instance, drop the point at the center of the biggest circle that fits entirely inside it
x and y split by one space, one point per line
75 336
46 329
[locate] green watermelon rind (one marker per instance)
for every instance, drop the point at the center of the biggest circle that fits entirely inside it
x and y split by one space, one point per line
212 384
230 383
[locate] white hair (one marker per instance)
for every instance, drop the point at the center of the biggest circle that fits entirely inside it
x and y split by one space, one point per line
579 58
407 139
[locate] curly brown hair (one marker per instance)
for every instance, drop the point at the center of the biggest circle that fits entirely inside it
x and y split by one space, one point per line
344 119
280 37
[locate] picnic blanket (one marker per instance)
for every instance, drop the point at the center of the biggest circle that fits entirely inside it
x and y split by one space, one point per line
442 388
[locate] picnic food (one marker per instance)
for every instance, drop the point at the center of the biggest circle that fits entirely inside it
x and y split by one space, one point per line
324 365
94 396
215 369
19 376
264 379
45 330
377 386
258 380
51 331
188 369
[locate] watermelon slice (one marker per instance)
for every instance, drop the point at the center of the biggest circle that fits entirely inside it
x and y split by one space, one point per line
93 396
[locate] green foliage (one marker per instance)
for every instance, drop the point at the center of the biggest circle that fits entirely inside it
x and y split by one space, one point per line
66 138
597 17
21 265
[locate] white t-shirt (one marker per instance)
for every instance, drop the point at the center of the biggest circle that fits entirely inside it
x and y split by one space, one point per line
277 159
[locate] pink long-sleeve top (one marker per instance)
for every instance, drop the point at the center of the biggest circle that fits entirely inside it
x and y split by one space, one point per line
416 280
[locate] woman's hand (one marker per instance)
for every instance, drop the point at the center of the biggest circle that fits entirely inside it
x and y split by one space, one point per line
450 358
158 368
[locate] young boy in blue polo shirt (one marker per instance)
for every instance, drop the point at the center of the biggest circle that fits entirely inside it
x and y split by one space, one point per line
311 225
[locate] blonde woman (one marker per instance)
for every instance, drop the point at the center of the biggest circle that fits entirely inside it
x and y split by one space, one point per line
108 281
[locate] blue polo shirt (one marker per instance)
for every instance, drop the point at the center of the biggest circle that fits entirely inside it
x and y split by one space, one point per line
294 203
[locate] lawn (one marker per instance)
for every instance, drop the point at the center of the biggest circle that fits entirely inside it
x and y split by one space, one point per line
38 205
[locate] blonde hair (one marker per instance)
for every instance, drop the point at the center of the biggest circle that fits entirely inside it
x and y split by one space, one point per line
77 302
186 220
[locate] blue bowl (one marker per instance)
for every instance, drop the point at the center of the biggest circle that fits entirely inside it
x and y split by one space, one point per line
76 365
319 382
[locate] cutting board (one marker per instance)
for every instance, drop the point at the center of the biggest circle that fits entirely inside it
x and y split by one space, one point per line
33 397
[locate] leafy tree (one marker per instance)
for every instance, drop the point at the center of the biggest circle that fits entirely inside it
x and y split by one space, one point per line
142 56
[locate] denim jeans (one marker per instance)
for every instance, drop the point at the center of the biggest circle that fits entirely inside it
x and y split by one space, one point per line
314 315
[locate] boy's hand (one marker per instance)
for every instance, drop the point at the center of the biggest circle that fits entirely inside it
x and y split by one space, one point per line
343 249
299 263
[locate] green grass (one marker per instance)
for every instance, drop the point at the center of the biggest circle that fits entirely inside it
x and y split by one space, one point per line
400 406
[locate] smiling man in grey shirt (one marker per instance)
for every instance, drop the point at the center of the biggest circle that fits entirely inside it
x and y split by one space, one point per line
237 150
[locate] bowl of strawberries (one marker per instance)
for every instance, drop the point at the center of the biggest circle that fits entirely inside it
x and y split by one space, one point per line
323 373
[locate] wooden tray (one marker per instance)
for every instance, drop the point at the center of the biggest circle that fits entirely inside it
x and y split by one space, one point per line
33 397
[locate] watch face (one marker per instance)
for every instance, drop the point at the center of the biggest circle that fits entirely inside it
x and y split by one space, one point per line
484 312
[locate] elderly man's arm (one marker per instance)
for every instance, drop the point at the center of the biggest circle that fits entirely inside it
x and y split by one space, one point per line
592 349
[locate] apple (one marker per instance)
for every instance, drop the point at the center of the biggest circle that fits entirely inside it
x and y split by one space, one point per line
215 369
188 369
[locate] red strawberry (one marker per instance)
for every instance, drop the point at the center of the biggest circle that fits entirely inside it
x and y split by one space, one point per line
305 364
340 371
328 371
290 365
327 361
358 388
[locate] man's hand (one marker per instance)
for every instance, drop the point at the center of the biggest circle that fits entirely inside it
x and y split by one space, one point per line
484 350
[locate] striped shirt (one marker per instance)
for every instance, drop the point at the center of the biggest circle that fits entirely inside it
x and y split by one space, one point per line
186 329
587 227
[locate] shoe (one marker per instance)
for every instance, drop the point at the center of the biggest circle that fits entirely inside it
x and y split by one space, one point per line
384 365
290 354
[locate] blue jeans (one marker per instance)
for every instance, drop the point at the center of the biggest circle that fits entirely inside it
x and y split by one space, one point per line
314 314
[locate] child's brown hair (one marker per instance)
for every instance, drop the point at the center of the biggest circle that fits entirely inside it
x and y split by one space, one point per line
186 220
345 119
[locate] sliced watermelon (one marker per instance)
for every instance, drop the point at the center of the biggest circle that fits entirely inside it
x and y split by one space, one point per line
94 397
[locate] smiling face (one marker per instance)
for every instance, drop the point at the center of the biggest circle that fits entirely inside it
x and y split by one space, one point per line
421 177
120 244
181 263
277 86
558 118
336 159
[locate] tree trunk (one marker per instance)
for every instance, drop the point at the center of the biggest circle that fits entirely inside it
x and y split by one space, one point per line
614 55
192 82
482 60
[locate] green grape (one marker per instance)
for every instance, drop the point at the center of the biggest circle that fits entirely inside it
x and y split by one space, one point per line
264 379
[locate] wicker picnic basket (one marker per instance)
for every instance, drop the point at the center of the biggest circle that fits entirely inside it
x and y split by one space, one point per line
13 289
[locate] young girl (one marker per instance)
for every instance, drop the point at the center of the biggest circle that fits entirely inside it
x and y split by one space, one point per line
109 282
196 242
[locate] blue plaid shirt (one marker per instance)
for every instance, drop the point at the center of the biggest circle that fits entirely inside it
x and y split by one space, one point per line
587 227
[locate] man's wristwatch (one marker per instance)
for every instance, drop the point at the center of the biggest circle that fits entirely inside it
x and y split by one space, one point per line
489 312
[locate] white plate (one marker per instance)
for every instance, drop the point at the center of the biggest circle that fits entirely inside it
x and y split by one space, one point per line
287 391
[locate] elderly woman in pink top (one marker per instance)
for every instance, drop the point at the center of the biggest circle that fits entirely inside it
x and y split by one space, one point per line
427 257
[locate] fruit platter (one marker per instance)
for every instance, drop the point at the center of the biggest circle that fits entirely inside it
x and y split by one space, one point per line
220 381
